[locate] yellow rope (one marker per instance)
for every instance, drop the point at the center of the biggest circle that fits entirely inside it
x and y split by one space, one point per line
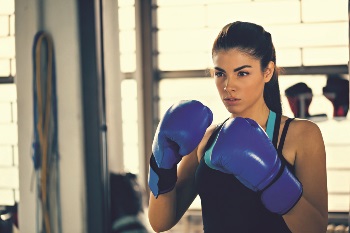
44 132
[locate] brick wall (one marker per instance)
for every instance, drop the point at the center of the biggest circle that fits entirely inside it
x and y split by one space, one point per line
8 145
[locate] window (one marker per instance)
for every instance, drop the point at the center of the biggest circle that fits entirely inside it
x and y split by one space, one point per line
9 192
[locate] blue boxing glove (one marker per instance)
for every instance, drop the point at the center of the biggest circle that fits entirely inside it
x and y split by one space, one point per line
178 134
243 149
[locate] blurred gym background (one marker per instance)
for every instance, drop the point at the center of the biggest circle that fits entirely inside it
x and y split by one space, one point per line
128 61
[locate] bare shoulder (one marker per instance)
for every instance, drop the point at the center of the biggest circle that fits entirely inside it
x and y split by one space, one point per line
205 139
307 139
303 129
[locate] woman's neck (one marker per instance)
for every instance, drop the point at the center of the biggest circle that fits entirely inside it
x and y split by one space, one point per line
260 115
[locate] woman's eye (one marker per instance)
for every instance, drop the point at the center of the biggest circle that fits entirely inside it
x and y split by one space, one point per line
219 74
242 73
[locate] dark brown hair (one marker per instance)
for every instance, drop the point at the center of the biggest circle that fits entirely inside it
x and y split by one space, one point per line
252 39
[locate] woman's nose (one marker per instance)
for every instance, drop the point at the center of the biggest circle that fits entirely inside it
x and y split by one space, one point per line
230 84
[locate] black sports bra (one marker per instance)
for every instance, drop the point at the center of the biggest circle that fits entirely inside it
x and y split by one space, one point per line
229 206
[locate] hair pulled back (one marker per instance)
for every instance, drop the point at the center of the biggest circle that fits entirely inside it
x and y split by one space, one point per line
252 39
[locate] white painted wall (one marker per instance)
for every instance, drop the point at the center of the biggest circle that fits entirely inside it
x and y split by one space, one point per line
61 21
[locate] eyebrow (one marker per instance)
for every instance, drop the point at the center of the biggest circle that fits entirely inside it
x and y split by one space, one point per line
242 67
235 70
218 68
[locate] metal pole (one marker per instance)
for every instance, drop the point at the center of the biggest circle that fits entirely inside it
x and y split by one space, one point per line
92 78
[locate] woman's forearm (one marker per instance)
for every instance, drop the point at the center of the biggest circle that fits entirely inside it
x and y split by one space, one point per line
162 211
304 217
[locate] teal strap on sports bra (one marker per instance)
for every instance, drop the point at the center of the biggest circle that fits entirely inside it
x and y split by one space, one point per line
270 127
269 131
207 155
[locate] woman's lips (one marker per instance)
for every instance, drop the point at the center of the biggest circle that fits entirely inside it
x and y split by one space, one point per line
231 101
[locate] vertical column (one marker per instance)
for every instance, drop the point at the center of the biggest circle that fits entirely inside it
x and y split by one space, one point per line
95 148
113 86
147 83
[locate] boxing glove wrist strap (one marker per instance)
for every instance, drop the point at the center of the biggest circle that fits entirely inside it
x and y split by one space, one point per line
283 193
280 172
166 177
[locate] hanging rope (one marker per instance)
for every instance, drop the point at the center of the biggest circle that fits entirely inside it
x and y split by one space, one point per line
45 145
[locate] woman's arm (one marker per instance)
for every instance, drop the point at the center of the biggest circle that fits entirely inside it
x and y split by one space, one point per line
165 211
310 214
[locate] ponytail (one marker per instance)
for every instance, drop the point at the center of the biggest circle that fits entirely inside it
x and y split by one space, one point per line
272 95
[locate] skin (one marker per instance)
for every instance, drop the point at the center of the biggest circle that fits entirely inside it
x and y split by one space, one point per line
240 82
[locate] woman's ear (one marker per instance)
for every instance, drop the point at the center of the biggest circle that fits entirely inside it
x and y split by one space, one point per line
269 71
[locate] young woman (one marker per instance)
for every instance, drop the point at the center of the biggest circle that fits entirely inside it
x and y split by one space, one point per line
258 171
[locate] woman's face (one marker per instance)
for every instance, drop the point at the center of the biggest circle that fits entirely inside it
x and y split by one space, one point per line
240 81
